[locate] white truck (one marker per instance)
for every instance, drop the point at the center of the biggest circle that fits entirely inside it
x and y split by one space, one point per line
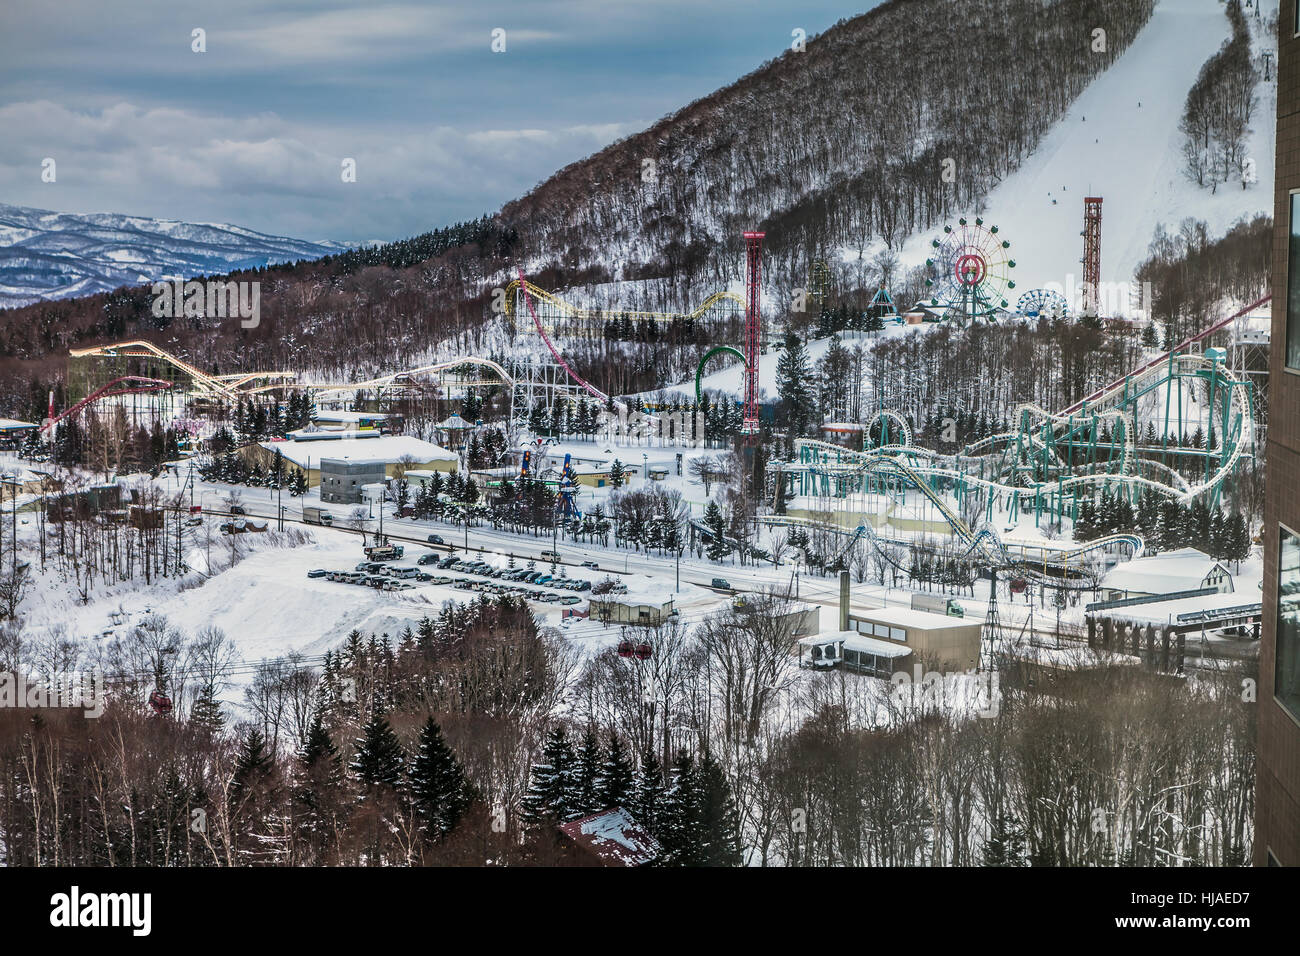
937 604
314 515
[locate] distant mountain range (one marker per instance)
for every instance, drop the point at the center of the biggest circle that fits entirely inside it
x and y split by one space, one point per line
55 255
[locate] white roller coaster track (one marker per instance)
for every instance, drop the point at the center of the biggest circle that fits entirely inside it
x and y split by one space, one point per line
830 460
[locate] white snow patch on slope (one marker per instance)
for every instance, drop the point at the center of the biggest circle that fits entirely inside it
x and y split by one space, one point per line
1131 156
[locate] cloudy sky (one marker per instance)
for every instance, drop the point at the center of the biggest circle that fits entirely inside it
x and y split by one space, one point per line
254 130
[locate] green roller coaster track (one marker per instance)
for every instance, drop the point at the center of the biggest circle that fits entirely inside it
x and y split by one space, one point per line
699 372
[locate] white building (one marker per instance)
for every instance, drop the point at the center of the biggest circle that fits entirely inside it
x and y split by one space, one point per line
305 452
1186 569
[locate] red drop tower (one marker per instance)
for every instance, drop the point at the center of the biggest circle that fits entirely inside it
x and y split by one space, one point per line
753 325
1091 254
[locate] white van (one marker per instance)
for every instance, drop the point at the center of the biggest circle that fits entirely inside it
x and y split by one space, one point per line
404 572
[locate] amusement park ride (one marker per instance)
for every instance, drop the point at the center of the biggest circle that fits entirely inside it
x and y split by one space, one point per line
229 389
1044 465
970 271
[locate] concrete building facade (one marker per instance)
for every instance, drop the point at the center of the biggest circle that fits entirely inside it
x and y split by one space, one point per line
1277 795
341 480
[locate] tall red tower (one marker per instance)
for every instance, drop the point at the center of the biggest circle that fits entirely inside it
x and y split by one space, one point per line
753 325
1091 254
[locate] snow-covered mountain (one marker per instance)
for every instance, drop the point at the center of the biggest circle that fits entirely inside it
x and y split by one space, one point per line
54 255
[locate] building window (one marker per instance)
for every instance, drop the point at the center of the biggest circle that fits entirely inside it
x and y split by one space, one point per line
1293 287
1286 664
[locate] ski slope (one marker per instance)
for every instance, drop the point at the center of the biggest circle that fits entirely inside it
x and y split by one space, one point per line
1130 155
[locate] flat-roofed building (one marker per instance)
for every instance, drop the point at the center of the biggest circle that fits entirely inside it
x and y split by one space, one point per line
305 452
935 640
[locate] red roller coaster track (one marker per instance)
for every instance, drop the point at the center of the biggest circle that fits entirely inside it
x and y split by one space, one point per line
138 384
753 323
1164 356
528 300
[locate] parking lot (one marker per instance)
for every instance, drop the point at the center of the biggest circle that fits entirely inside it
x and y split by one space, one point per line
464 574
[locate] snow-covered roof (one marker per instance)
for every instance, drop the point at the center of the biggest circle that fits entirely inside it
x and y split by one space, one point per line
454 421
316 433
641 589
909 618
388 448
614 838
1162 612
854 641
600 454
326 415
1183 570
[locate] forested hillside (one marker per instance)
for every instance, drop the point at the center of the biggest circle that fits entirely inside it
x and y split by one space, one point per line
842 143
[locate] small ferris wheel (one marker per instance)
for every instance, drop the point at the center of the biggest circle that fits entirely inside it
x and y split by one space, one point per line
969 271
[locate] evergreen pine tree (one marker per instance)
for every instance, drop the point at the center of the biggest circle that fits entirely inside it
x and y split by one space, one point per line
252 764
716 525
794 391
1006 843
676 829
717 824
648 792
206 714
551 791
1219 545
616 777
587 775
439 789
1238 536
379 759
318 777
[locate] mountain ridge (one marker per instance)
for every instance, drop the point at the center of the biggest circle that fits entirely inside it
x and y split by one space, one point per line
47 254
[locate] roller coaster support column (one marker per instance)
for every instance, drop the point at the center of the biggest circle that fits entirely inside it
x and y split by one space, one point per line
753 322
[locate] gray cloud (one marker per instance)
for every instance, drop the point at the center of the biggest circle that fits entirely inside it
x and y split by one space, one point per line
253 131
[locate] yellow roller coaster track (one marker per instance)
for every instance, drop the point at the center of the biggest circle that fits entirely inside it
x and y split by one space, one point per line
231 386
595 317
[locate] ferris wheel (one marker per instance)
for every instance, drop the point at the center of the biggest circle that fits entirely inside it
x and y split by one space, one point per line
969 271
1043 303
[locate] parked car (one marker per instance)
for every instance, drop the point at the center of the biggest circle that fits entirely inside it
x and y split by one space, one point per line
427 559
404 572
317 573
591 564
435 539
424 576
722 583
